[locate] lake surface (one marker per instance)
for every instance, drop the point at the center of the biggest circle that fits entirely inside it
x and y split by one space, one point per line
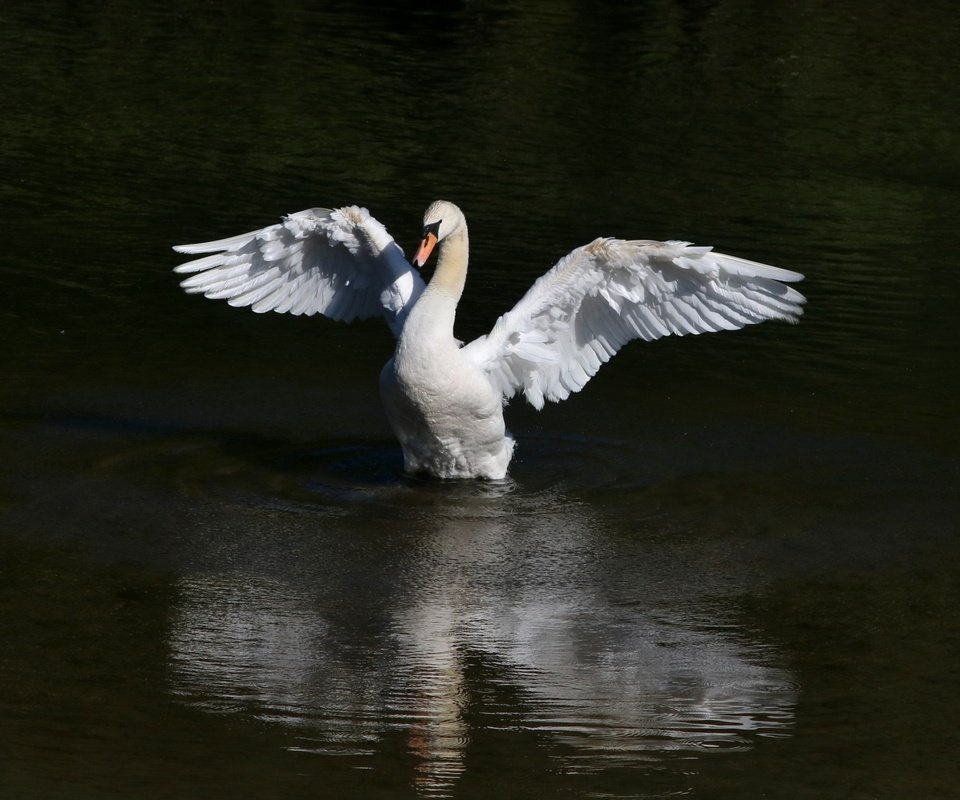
727 568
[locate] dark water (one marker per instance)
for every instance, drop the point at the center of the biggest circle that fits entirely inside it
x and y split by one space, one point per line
725 569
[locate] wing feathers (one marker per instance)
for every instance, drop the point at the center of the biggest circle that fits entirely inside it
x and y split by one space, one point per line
600 296
230 243
341 263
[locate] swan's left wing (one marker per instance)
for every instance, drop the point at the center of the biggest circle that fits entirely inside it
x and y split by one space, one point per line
340 262
602 295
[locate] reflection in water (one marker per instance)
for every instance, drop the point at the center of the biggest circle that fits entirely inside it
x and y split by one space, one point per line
250 645
528 597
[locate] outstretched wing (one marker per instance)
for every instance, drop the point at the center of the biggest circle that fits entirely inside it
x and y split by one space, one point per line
602 295
341 263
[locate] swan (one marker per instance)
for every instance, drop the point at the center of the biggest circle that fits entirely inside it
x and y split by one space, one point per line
445 401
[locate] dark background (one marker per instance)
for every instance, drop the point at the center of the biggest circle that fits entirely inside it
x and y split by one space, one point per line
725 569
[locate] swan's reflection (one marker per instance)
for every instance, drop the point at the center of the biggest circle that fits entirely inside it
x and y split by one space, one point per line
531 596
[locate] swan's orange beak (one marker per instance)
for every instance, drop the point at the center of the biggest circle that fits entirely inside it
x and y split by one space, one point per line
427 243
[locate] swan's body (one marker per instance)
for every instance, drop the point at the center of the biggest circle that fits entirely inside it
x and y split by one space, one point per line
445 402
443 408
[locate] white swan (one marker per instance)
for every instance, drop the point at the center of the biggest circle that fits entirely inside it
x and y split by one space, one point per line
445 402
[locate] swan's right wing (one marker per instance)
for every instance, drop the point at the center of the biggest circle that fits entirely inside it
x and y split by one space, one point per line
600 296
340 263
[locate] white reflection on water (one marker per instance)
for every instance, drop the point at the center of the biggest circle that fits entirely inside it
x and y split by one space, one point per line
599 680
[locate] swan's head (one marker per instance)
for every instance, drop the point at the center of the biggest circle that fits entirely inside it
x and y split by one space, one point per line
439 221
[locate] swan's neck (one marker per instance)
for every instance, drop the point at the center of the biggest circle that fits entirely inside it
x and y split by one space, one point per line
429 327
450 275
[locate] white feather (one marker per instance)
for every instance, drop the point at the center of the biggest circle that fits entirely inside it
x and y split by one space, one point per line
341 263
602 295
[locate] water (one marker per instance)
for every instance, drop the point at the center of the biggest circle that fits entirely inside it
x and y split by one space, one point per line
725 569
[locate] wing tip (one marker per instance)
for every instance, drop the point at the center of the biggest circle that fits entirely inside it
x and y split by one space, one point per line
747 268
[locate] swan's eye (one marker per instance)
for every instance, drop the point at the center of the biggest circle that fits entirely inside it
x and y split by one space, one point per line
433 227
